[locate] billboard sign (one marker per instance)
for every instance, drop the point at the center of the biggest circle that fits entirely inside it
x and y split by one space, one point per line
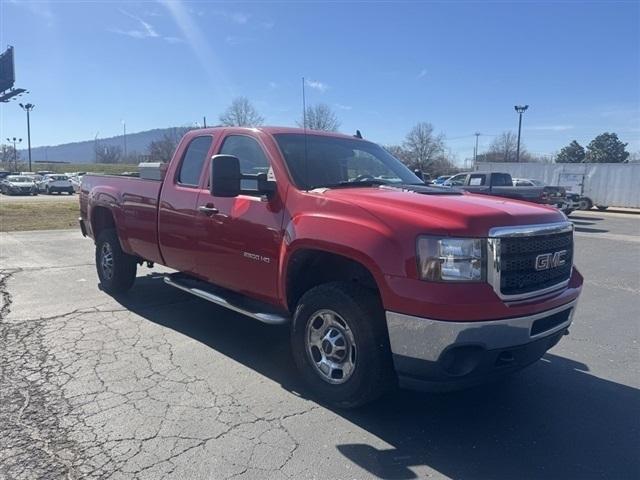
7 70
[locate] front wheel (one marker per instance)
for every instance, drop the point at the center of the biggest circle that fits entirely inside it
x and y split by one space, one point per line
340 344
116 269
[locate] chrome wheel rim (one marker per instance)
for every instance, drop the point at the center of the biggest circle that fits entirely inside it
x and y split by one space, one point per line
331 346
106 260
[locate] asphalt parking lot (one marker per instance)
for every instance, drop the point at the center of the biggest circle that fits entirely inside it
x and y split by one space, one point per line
158 384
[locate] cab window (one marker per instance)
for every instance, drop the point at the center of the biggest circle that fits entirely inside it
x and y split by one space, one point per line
457 180
193 160
251 156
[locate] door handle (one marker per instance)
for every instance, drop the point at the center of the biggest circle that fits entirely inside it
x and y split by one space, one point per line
208 209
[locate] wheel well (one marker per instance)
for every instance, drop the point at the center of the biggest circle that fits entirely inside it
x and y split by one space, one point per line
101 218
310 268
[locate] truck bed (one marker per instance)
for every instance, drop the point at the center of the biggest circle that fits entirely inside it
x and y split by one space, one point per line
134 203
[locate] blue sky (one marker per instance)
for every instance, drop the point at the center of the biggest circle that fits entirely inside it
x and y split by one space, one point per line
383 66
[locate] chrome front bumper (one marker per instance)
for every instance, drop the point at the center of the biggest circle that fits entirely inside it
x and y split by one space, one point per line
442 352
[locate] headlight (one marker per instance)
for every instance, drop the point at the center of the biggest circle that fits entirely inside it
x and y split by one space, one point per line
451 259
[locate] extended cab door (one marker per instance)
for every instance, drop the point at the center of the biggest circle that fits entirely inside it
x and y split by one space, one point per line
177 213
239 239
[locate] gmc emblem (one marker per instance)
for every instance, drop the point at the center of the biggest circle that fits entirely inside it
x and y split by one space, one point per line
546 261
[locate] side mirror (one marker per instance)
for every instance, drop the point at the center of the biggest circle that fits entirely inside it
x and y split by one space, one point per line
225 176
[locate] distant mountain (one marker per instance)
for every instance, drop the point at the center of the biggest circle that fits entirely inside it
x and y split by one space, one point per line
84 152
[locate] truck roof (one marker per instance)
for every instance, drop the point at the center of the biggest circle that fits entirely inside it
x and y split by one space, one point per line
276 130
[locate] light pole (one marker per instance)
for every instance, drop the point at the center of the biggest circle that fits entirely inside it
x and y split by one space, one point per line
520 109
95 147
475 151
15 141
27 108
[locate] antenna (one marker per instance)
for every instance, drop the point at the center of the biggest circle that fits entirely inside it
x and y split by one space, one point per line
304 128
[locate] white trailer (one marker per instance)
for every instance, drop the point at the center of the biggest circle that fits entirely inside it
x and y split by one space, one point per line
600 184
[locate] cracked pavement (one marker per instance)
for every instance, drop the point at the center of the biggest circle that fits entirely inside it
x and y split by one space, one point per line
157 384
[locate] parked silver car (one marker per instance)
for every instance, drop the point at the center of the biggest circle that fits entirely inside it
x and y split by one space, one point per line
56 183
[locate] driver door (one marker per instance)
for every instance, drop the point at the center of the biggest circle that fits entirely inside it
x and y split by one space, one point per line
240 239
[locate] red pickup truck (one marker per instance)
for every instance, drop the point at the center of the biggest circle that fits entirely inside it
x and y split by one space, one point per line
383 279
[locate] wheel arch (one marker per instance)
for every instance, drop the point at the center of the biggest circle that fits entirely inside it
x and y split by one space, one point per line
308 267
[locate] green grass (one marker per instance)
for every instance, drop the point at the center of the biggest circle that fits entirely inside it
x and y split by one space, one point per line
38 215
110 168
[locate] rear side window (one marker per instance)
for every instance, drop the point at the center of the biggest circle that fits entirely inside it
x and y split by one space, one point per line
193 160
476 180
501 180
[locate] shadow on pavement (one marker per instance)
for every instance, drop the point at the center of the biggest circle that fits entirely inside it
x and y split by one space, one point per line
554 420
588 219
590 230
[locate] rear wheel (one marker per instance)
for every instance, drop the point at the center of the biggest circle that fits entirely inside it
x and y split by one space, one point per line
116 269
340 344
585 204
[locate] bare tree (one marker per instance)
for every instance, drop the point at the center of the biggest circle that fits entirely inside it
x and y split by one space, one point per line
9 157
423 145
400 153
162 150
320 117
108 154
503 149
241 113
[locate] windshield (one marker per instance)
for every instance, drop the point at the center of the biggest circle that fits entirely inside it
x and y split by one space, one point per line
16 179
335 161
58 177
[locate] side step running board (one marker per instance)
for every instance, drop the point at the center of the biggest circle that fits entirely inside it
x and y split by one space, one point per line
229 300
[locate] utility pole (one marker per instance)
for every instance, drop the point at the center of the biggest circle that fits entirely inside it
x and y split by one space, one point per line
27 108
124 138
475 150
520 109
95 147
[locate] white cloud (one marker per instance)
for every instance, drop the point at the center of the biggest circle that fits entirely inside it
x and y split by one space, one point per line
343 107
423 73
317 85
174 39
145 30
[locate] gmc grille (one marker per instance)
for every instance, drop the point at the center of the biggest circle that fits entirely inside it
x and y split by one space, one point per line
518 274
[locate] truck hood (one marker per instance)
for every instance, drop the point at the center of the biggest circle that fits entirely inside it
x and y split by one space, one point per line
445 212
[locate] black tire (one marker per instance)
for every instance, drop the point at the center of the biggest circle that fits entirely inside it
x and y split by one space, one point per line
602 208
120 276
363 313
585 204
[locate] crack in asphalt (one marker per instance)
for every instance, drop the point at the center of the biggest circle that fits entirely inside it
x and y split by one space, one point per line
102 393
